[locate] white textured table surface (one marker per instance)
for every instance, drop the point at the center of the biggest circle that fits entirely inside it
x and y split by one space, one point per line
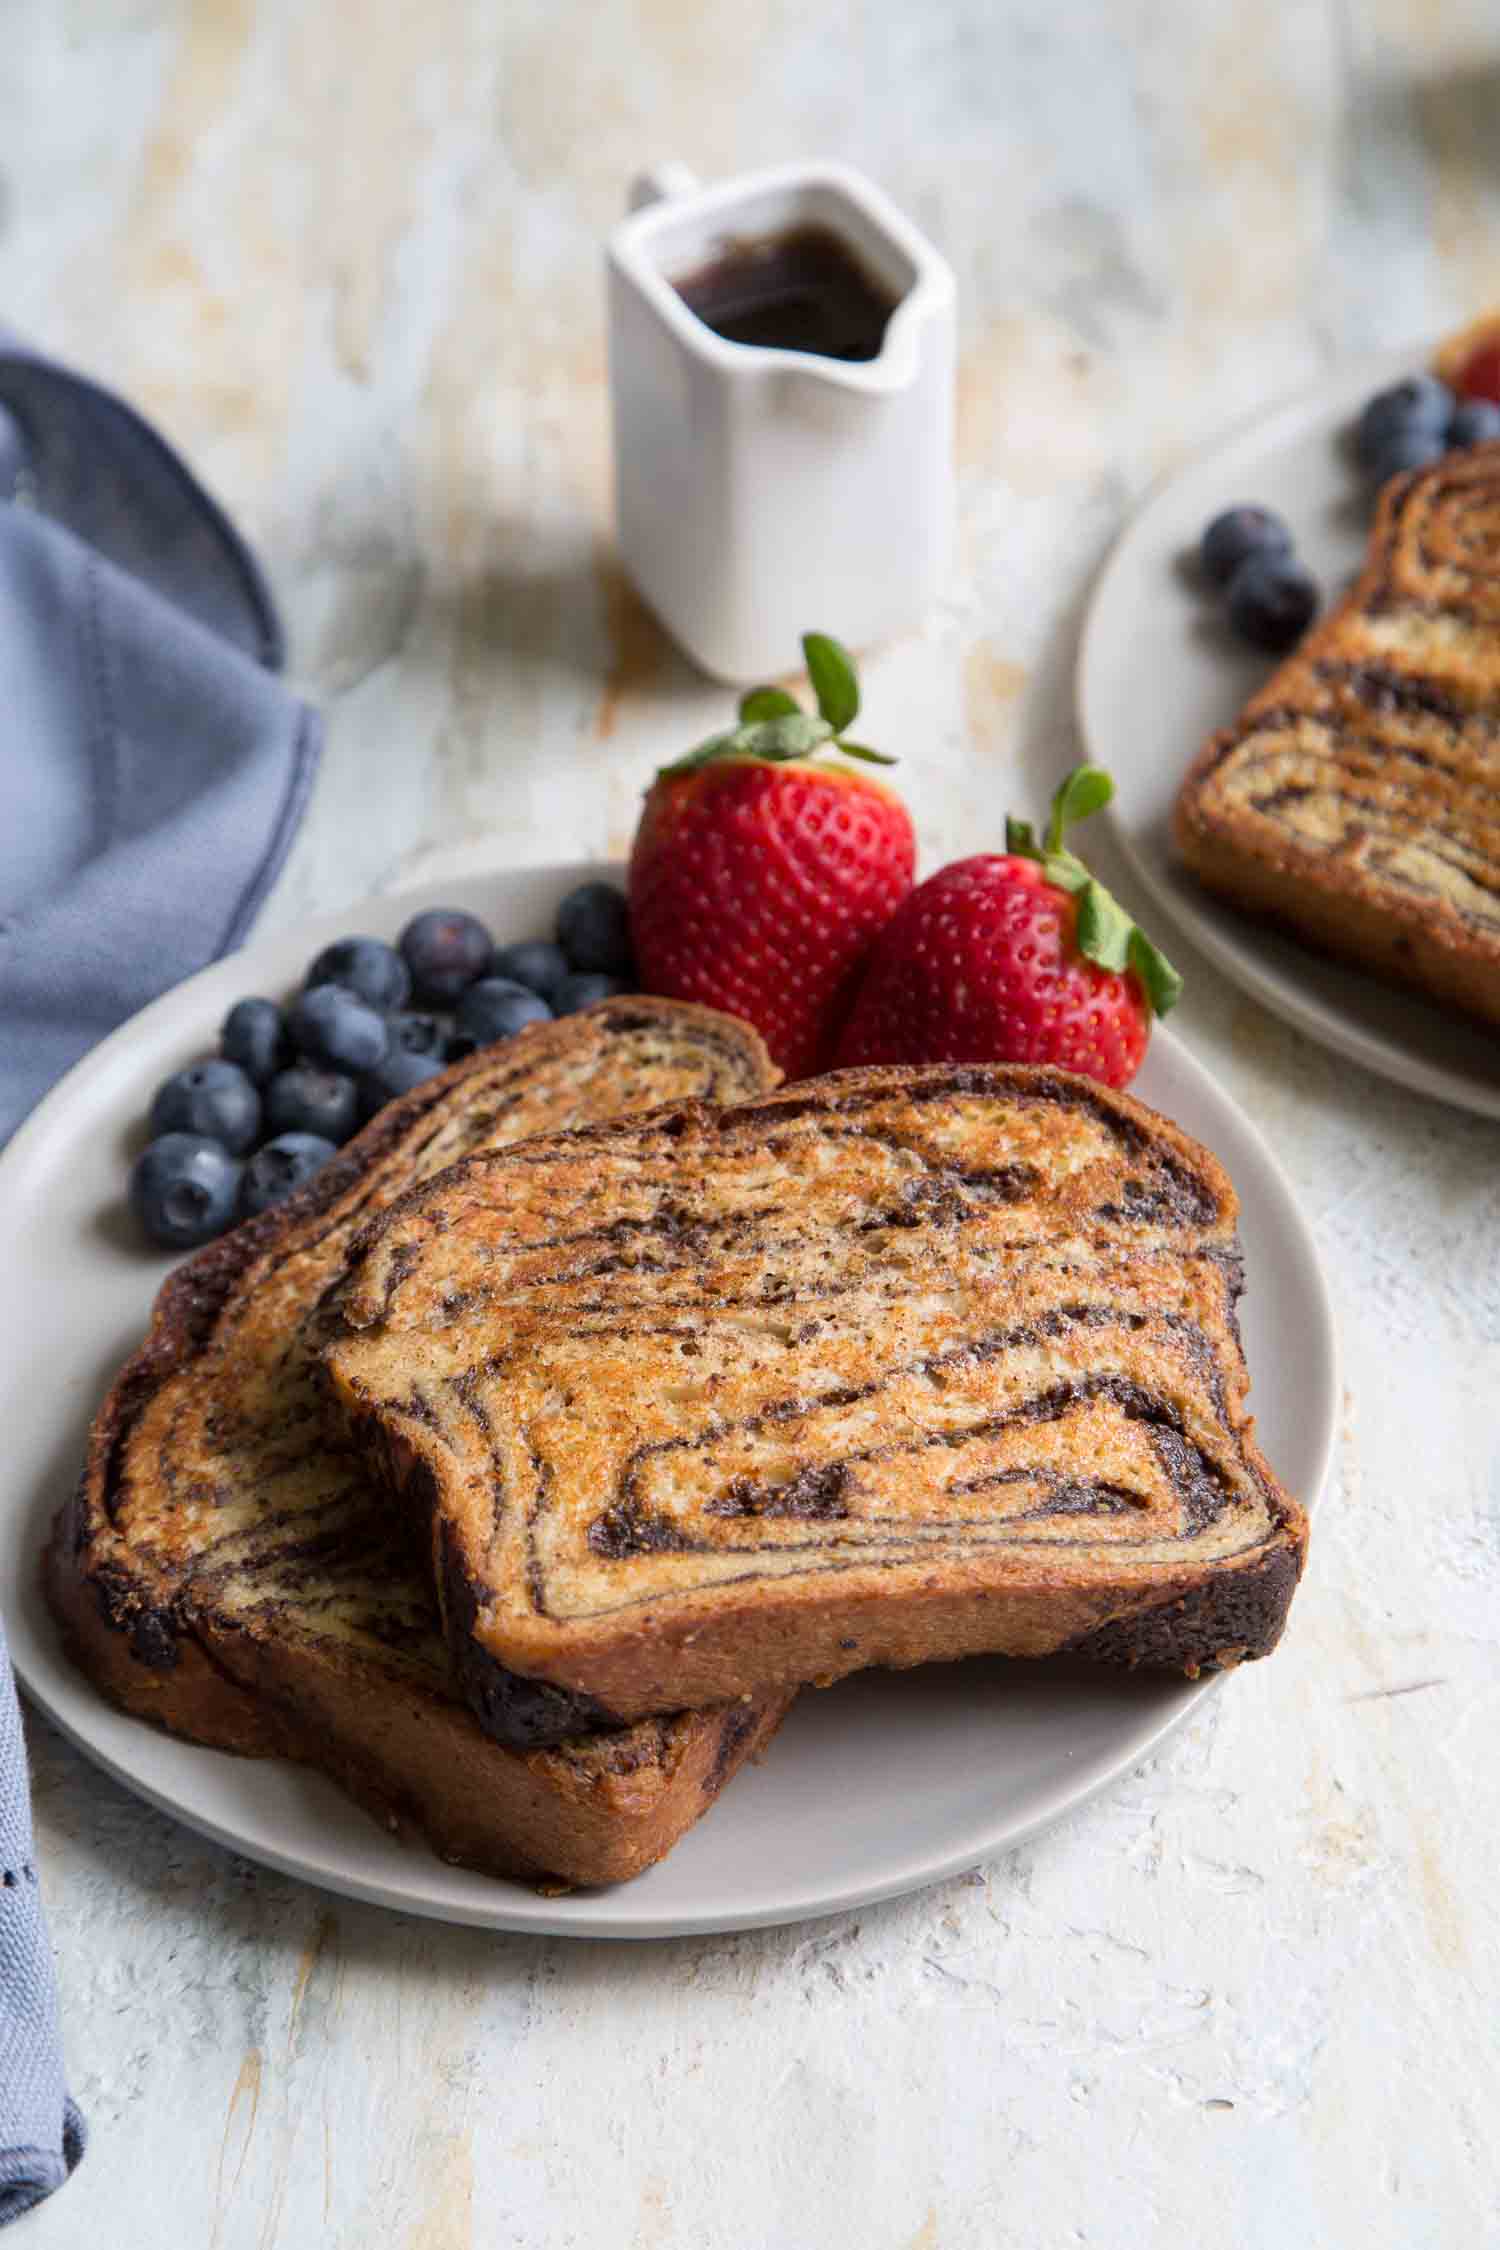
350 258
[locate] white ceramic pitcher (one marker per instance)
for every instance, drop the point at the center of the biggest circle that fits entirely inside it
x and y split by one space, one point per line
764 493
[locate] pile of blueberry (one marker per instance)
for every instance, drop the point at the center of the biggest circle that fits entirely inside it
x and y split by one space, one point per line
1248 554
233 1135
1415 422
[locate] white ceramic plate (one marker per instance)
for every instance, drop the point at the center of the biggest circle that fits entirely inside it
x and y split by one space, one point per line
1159 670
873 1787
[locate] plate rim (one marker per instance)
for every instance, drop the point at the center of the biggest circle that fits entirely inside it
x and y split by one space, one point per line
69 1701
550 1920
1210 926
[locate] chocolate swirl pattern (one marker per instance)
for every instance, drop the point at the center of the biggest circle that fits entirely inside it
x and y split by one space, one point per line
229 1568
1356 802
887 1366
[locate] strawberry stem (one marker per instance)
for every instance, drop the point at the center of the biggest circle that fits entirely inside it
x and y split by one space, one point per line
767 703
1087 789
835 683
1103 931
775 729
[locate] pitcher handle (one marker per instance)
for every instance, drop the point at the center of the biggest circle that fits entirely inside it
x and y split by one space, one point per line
659 183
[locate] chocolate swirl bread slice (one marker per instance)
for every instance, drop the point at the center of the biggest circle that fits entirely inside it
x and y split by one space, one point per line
228 1569
1356 801
888 1366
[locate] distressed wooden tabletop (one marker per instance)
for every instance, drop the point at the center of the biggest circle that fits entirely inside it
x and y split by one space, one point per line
349 257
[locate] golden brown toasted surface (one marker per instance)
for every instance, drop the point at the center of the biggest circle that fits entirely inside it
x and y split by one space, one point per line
886 1366
1357 799
229 1568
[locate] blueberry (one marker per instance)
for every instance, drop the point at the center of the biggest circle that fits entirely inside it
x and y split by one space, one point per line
495 1008
1475 422
416 1034
1272 601
214 1100
254 1036
183 1190
1411 448
401 1070
1236 535
580 991
593 929
1421 402
283 1164
446 951
332 1026
366 966
536 962
305 1100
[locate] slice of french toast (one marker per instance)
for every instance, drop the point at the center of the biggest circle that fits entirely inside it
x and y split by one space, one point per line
888 1366
1356 800
228 1569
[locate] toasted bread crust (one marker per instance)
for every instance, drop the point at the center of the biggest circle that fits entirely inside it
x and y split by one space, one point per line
1356 801
639 1633
596 1809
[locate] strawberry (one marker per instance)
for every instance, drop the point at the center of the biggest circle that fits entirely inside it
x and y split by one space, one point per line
1019 956
1469 362
1479 377
760 877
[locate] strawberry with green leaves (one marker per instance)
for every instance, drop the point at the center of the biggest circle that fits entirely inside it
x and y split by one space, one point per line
763 869
1016 957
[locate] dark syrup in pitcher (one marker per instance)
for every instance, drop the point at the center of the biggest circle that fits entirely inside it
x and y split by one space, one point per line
803 291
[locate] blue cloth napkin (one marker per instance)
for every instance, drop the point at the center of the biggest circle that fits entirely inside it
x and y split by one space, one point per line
153 768
152 772
41 2132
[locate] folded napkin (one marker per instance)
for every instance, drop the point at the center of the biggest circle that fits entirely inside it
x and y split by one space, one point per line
152 766
152 772
41 2132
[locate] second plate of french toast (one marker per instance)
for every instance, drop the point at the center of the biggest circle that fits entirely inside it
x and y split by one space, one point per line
1325 821
624 1495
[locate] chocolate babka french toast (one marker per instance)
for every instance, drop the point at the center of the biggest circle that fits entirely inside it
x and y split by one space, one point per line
893 1365
1356 801
229 1570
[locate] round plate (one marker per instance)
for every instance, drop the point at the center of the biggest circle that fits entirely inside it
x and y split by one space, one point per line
1158 671
872 1788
